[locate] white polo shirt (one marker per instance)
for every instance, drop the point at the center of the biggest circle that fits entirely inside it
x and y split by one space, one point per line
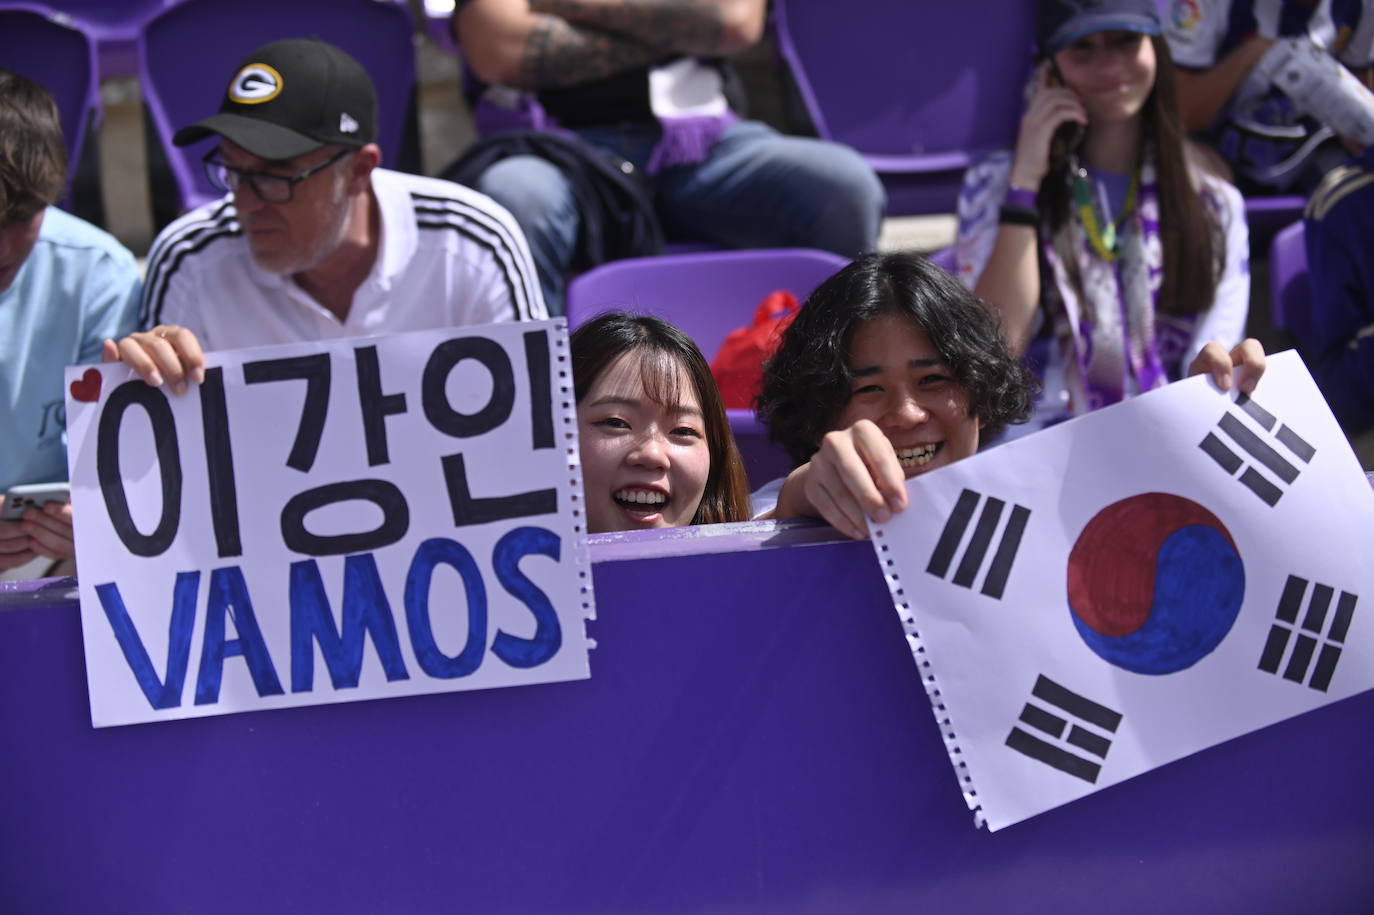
448 257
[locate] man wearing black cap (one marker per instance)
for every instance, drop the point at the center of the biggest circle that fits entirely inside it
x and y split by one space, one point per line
313 240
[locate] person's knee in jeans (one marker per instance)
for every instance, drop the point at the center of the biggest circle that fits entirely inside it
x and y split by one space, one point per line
537 195
850 210
763 189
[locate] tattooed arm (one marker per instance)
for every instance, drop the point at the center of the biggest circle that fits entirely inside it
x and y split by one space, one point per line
700 27
507 42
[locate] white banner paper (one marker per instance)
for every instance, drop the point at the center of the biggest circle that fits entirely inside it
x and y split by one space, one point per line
1125 589
330 522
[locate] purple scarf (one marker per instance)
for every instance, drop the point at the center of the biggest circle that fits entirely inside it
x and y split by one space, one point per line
1105 326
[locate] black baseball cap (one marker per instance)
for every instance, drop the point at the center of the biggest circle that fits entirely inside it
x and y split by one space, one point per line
291 96
1059 23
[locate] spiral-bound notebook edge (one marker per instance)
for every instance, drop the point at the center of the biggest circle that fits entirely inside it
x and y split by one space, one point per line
948 732
562 369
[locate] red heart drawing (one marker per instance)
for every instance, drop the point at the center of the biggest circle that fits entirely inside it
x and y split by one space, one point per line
87 390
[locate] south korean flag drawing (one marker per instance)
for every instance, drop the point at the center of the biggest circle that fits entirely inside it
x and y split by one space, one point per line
1114 593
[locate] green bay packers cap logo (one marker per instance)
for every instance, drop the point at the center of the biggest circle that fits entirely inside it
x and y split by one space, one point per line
255 84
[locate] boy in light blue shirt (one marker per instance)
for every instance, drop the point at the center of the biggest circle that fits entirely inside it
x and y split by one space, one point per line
65 288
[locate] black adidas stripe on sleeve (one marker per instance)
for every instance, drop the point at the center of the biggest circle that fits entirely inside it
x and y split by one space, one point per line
492 233
173 248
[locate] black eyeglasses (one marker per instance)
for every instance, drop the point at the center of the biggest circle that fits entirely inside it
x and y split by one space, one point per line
269 188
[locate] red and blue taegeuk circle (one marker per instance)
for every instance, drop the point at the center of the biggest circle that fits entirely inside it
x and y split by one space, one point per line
1155 583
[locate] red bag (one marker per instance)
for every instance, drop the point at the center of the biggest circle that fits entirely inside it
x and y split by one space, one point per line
738 367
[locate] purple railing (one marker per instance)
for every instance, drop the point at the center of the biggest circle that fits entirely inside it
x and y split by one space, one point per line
754 738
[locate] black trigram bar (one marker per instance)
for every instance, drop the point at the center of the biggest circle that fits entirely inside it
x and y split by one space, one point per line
980 543
1286 436
1051 724
953 533
1291 600
1076 705
1317 607
1259 450
1256 412
1309 643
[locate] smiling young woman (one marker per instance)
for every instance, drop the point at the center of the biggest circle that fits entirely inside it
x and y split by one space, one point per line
1113 260
656 445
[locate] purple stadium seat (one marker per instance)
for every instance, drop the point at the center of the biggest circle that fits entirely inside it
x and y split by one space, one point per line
189 51
115 26
944 258
919 89
50 48
707 295
1266 215
1289 288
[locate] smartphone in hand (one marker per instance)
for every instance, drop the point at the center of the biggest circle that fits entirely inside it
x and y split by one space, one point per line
34 495
1070 133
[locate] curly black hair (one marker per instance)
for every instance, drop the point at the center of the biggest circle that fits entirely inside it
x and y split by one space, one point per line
807 383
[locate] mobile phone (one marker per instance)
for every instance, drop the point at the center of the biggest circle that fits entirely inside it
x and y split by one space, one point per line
1070 134
1068 137
33 494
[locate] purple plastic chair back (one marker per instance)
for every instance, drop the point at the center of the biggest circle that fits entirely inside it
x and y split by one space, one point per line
763 460
1290 290
707 295
189 53
115 25
920 89
52 49
1267 215
944 258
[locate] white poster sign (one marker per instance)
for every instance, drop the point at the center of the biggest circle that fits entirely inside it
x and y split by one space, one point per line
330 522
1141 583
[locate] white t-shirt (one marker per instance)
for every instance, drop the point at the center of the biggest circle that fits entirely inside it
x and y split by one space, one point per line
1201 32
448 257
1196 31
764 499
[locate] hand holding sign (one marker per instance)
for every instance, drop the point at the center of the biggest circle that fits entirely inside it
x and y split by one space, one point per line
419 493
166 352
1247 356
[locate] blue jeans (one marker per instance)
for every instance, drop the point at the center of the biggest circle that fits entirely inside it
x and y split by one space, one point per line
757 189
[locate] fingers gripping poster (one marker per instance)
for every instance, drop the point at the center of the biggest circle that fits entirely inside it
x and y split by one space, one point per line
1136 585
330 522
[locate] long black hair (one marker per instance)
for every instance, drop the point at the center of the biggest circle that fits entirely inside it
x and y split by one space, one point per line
663 348
1189 229
807 382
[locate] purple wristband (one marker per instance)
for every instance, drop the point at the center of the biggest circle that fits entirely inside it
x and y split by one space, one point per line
1020 197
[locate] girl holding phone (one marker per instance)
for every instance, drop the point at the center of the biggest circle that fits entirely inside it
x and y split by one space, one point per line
1113 259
